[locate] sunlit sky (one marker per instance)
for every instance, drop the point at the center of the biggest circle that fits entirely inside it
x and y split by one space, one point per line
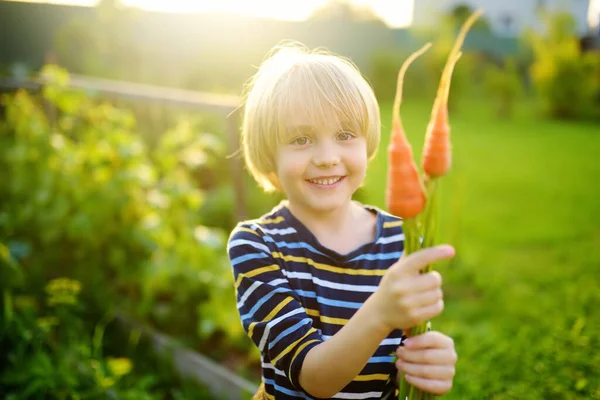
396 13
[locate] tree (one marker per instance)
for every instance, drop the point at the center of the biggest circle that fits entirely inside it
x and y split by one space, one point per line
460 13
100 45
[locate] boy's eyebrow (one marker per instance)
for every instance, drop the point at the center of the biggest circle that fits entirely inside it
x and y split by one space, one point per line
310 129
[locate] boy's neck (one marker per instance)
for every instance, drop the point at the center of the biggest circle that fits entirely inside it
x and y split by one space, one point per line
330 221
343 229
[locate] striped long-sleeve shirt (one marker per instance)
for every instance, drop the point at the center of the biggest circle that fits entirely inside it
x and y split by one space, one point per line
293 293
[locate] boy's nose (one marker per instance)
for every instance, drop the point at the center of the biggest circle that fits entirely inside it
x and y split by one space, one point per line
325 156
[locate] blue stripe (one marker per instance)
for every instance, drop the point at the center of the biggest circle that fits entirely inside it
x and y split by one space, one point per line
379 256
294 245
381 359
330 302
247 257
281 389
289 330
306 293
262 301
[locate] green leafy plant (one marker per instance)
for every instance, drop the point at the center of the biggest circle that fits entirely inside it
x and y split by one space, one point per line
86 198
503 86
566 79
51 349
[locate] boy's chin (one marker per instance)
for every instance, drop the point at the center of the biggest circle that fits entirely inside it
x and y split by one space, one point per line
324 205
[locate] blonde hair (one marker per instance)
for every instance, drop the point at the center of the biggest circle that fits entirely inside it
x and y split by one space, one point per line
326 88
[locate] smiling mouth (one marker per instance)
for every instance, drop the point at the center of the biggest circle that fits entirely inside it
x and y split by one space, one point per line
326 181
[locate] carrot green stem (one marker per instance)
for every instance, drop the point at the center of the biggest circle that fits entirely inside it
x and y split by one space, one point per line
430 214
429 230
411 244
402 388
411 235
429 224
413 393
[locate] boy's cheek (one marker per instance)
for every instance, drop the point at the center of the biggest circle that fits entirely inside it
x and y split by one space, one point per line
291 167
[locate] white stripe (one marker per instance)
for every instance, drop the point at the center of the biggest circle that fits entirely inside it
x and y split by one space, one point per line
329 284
247 293
385 342
241 242
389 341
281 232
368 395
271 366
344 286
297 275
279 281
390 239
270 324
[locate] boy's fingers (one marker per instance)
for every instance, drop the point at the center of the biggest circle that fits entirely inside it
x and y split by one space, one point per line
434 386
419 283
427 371
416 261
427 356
432 339
424 299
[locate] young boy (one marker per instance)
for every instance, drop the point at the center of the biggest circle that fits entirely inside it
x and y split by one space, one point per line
323 289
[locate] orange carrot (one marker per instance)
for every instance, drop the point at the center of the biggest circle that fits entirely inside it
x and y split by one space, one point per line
405 195
436 157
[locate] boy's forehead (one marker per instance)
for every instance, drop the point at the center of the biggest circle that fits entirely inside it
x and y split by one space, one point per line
299 121
302 121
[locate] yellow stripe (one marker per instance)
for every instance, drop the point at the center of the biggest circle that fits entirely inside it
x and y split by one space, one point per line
372 377
251 329
335 321
311 312
248 230
269 396
322 318
330 268
266 221
271 221
278 308
255 272
298 352
270 316
290 347
392 224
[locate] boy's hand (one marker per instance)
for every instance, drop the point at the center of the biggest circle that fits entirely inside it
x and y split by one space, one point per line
405 297
428 362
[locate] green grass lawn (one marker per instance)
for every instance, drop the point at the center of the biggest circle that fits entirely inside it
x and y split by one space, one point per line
522 207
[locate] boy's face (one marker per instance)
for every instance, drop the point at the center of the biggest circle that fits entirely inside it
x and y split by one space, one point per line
319 169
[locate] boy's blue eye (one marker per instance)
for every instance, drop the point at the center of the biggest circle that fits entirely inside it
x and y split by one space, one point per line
345 136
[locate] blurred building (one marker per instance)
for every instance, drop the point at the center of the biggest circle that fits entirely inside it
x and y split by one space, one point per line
509 18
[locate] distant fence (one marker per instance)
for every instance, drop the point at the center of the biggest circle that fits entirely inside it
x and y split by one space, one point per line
226 106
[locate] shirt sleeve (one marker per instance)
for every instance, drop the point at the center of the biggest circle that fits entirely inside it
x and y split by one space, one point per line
270 311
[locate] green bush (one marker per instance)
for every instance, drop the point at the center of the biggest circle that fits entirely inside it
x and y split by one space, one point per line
503 87
423 77
566 80
84 197
383 75
49 349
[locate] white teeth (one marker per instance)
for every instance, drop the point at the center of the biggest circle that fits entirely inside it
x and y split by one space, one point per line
329 181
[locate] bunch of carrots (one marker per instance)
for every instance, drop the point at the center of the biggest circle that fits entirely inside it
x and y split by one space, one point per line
409 196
